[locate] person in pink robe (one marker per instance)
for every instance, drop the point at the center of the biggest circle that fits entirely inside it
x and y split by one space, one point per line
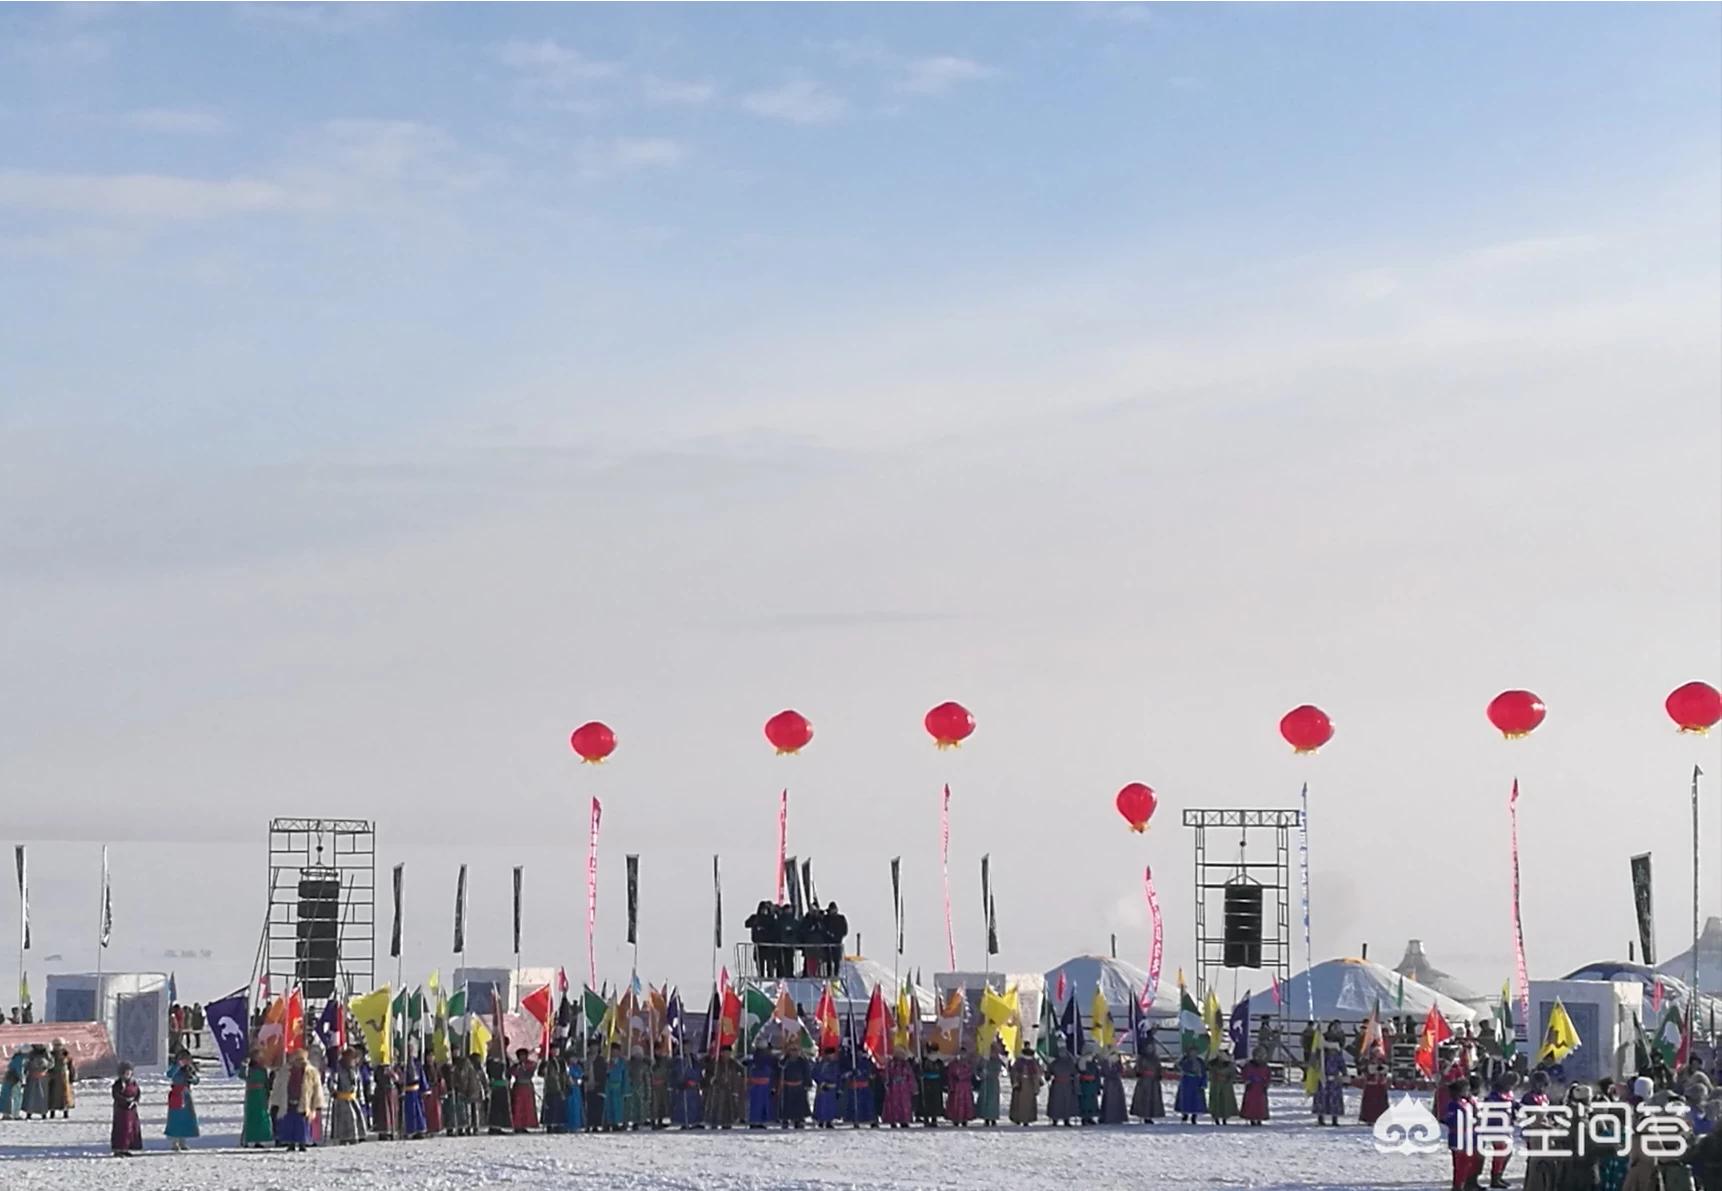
960 1089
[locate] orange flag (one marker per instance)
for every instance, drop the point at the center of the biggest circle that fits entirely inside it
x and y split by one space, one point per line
875 1039
1435 1032
826 1018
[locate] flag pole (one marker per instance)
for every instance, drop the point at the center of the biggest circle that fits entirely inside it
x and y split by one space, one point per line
1692 1000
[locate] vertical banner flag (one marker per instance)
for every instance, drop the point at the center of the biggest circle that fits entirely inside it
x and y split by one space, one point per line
717 901
23 898
945 864
1521 975
808 895
517 873
460 912
1641 905
793 876
1303 860
1691 1001
782 839
592 893
633 898
988 910
107 901
897 898
1157 941
395 933
227 1020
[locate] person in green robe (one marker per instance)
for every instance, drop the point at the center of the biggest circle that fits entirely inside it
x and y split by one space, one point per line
989 1079
1222 1091
259 1128
639 1104
1088 1085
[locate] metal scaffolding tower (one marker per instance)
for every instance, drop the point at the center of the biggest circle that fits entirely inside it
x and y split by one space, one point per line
321 931
1215 875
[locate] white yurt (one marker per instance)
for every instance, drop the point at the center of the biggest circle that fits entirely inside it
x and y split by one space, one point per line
1348 989
1120 982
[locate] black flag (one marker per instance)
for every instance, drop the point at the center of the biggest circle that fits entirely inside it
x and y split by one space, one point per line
987 905
107 900
460 912
792 872
717 898
395 934
633 898
807 893
517 871
897 898
1641 905
24 896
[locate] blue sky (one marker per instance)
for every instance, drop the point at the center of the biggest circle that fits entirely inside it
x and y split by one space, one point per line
385 390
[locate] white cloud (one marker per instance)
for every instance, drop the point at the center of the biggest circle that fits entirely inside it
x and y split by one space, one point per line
800 101
149 196
548 68
176 121
629 155
677 92
938 74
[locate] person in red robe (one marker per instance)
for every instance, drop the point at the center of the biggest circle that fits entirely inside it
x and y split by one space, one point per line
1375 1080
522 1097
126 1138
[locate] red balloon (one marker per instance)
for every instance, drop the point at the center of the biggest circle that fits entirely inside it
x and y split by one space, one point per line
593 741
1136 803
789 732
1306 728
1696 707
1516 713
949 724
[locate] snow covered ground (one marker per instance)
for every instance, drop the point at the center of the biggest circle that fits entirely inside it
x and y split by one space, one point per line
1288 1152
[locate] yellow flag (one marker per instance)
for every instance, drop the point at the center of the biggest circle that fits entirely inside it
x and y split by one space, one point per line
1562 1037
478 1038
1211 1014
1001 1019
1312 1070
1101 1014
905 1014
952 1014
374 1014
612 1024
434 983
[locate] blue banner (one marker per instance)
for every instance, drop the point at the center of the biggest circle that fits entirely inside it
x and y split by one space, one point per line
229 1025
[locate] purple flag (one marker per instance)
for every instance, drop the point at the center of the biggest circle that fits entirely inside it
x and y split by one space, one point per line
228 1025
1238 1029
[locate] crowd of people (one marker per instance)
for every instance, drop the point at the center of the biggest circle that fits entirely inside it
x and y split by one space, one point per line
778 932
39 1082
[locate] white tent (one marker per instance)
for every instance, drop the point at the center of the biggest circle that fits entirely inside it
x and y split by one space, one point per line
1709 960
1348 989
508 983
1119 982
856 980
132 1005
1651 1007
1030 989
1417 967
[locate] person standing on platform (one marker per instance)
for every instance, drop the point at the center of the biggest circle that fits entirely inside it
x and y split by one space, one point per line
126 1136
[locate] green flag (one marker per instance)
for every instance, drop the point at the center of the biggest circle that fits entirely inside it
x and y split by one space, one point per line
416 1006
457 1004
1193 1030
593 1006
756 1010
1504 1019
1048 1027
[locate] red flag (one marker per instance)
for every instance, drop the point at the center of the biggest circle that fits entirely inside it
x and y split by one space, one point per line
723 982
1435 1032
875 1040
826 1017
293 1032
1277 1001
1656 997
1058 997
729 1017
537 1003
